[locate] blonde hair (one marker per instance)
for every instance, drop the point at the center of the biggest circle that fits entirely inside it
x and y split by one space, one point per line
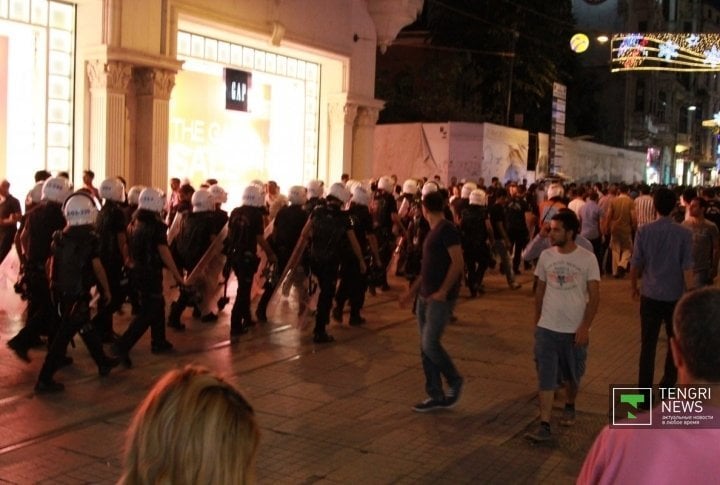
192 427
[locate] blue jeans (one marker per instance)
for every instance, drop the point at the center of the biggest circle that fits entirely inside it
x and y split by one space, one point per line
432 317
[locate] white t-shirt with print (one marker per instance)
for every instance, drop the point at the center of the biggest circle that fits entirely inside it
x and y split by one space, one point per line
566 277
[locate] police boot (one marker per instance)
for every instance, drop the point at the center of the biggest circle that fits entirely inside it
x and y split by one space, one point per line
174 317
92 341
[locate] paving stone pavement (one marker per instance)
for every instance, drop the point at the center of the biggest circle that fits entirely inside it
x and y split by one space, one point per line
337 413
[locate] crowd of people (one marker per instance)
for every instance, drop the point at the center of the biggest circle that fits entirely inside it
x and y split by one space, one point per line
339 243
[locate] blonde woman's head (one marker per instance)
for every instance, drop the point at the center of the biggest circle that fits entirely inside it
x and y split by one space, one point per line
192 427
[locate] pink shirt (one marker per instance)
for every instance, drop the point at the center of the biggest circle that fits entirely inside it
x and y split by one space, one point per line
653 456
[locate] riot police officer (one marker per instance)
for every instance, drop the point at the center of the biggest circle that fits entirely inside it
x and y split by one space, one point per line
76 266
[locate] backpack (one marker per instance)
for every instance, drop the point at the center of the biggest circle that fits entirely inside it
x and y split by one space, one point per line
71 268
328 235
472 227
192 242
239 239
109 248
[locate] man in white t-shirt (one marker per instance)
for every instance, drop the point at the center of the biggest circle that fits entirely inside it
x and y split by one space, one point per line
566 301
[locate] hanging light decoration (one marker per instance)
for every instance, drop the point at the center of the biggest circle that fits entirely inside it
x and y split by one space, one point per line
665 52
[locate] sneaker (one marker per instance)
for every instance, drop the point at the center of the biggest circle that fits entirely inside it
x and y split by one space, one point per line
568 417
453 394
429 404
121 356
541 434
161 347
323 338
19 350
49 387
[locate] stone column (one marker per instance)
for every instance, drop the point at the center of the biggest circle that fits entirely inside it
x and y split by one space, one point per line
108 89
153 87
340 149
363 143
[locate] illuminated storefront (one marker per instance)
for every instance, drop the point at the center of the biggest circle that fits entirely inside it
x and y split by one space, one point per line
273 136
37 40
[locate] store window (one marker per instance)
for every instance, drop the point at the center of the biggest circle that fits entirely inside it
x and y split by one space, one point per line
37 57
276 138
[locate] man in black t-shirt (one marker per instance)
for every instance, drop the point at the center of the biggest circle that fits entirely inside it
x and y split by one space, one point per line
517 213
438 287
502 238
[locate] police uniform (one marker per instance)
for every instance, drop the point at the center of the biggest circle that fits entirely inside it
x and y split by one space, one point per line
289 223
385 206
110 223
244 227
353 283
41 223
72 278
329 241
476 251
146 234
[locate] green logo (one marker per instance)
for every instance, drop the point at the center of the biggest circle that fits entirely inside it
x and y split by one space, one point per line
634 400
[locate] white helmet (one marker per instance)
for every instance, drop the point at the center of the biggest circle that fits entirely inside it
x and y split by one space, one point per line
112 189
133 194
478 197
339 191
218 193
430 187
202 201
555 190
35 194
80 209
410 186
351 184
467 188
152 200
296 195
56 189
314 189
253 196
360 196
386 184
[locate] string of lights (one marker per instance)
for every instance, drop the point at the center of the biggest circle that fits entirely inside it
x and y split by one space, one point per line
665 52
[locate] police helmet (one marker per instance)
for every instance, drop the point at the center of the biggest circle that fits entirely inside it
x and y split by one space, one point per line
410 187
478 197
151 199
253 196
80 209
430 187
555 190
386 184
314 189
360 196
112 189
133 194
202 201
467 189
296 195
56 189
339 191
218 193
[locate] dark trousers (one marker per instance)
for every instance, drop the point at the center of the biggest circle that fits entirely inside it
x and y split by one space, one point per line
6 241
597 249
42 316
150 314
103 320
476 263
327 275
653 313
386 248
518 241
353 285
240 315
269 290
75 317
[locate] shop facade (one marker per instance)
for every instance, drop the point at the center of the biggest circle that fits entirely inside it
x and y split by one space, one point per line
260 89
